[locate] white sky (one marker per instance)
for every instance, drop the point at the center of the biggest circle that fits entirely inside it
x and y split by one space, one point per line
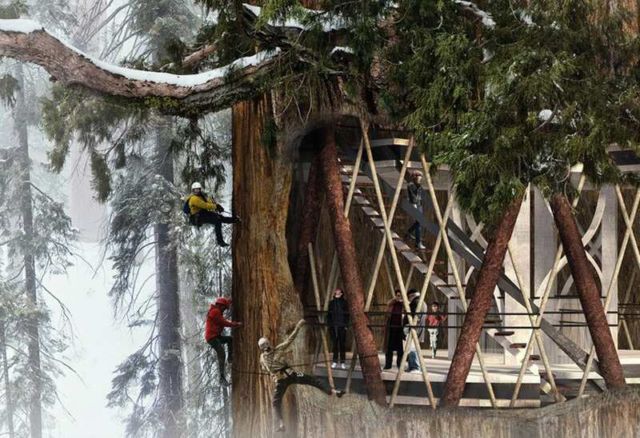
100 344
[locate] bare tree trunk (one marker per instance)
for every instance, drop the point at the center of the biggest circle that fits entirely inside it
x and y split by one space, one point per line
7 381
191 328
168 317
479 306
610 367
26 209
309 226
346 252
264 297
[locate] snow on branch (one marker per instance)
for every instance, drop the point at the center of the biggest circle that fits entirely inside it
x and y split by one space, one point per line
329 24
485 17
28 41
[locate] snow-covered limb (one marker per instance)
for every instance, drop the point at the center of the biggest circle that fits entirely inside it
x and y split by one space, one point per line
27 41
486 18
329 24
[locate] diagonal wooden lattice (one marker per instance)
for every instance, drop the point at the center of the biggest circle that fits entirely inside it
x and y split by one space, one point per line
547 284
387 259
628 236
622 322
413 336
442 234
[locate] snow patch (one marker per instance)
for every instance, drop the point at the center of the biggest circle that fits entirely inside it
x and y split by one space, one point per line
328 24
486 18
20 26
526 18
182 80
545 115
29 26
487 55
344 49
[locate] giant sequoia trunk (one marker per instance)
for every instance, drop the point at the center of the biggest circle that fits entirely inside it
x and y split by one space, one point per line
309 226
168 303
354 293
479 306
264 297
26 211
588 292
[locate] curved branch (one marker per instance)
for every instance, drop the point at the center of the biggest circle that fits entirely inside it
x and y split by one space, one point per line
27 41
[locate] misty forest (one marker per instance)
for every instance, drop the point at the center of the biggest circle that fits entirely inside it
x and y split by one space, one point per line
319 218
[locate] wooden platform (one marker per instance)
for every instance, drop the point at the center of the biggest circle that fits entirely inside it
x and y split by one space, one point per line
413 391
503 377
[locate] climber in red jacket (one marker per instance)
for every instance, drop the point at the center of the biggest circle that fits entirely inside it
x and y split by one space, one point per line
214 326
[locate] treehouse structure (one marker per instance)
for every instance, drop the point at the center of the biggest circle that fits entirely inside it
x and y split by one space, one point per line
535 348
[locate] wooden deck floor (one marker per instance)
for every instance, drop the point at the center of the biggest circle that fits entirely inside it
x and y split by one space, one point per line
412 390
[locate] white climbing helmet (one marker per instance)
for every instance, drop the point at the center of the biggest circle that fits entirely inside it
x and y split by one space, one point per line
264 344
196 185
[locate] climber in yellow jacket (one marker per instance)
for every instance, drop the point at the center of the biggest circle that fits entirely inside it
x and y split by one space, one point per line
202 209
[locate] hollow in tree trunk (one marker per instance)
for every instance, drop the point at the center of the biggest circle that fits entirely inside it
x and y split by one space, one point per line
479 306
264 297
345 248
309 227
588 292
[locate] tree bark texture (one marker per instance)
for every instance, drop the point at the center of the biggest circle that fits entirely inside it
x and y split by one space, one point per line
168 304
345 248
264 297
479 306
588 292
26 209
309 227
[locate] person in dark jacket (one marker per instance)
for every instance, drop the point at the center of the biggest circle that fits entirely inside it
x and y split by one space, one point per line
415 193
215 324
394 333
204 210
337 321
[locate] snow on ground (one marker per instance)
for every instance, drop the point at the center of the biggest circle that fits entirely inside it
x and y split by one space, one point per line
100 344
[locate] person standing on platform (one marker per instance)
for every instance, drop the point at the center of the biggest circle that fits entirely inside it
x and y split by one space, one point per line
435 320
413 361
337 322
394 334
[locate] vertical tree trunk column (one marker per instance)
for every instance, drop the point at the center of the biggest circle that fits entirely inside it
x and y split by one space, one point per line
479 307
168 303
588 292
26 209
309 227
354 292
5 371
264 297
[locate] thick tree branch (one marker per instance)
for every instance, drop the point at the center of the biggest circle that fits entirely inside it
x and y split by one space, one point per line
27 41
198 56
